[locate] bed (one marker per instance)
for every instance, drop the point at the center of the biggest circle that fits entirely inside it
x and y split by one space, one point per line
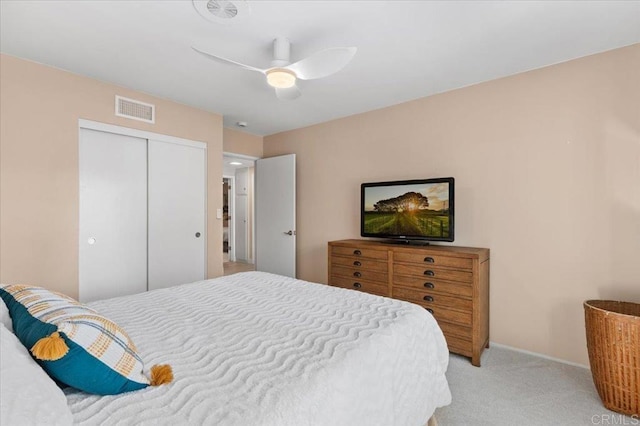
262 349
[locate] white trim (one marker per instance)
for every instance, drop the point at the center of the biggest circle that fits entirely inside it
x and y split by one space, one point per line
153 110
206 211
241 156
253 216
111 128
539 355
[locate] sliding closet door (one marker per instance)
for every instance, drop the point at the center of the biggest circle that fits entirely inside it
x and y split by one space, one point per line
113 215
176 214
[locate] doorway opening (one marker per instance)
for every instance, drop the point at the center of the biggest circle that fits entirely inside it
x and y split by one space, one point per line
227 210
238 213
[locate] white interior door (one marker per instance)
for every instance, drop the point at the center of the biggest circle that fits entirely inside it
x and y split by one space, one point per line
276 215
177 226
113 215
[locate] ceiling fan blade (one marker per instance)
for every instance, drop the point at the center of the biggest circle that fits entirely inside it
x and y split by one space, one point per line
323 63
227 61
288 94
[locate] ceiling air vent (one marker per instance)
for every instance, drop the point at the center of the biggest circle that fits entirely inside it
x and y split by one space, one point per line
135 110
222 11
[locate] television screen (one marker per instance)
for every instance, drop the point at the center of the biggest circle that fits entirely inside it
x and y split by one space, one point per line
412 209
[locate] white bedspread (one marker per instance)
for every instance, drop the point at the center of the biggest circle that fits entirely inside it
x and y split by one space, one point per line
261 349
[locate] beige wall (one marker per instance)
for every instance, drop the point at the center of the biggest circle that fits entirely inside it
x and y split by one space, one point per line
40 107
243 143
547 168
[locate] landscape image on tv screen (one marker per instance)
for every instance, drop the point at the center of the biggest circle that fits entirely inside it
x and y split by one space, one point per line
420 210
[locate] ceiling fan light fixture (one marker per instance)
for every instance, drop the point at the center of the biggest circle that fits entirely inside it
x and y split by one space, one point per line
281 78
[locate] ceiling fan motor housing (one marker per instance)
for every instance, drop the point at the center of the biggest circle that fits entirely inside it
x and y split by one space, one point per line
281 52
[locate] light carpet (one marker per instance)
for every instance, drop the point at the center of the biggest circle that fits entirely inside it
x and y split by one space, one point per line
513 388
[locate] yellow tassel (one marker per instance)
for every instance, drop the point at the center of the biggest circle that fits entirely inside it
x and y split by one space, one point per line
161 374
50 348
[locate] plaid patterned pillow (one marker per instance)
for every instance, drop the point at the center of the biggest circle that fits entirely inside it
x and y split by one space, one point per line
74 344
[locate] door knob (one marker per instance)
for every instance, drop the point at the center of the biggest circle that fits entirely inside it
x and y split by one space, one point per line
290 233
91 241
197 235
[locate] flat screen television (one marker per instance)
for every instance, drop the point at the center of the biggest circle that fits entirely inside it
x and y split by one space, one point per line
408 210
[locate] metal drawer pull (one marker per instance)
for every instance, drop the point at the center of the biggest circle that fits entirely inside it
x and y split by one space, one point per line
428 298
357 274
357 263
429 259
430 273
357 285
429 285
357 252
430 310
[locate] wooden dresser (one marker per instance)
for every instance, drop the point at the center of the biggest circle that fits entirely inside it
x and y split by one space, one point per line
450 282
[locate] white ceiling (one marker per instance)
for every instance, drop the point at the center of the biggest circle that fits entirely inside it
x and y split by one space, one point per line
406 49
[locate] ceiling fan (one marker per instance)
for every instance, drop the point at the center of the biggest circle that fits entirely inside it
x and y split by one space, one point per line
282 74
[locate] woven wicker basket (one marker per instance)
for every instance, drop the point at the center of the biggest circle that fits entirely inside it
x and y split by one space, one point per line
613 341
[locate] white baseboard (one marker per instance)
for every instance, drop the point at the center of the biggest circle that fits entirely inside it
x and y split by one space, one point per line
539 355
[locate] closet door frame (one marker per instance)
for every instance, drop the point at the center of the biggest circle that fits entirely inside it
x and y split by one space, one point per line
111 128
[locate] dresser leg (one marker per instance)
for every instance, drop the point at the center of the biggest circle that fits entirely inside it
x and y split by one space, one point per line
487 345
475 360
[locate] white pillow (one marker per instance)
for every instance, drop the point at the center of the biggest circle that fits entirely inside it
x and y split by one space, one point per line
5 318
29 396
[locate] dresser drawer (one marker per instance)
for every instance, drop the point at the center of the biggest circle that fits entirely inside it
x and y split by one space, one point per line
432 272
354 272
432 300
360 252
460 331
436 285
360 263
433 260
459 346
445 314
361 285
